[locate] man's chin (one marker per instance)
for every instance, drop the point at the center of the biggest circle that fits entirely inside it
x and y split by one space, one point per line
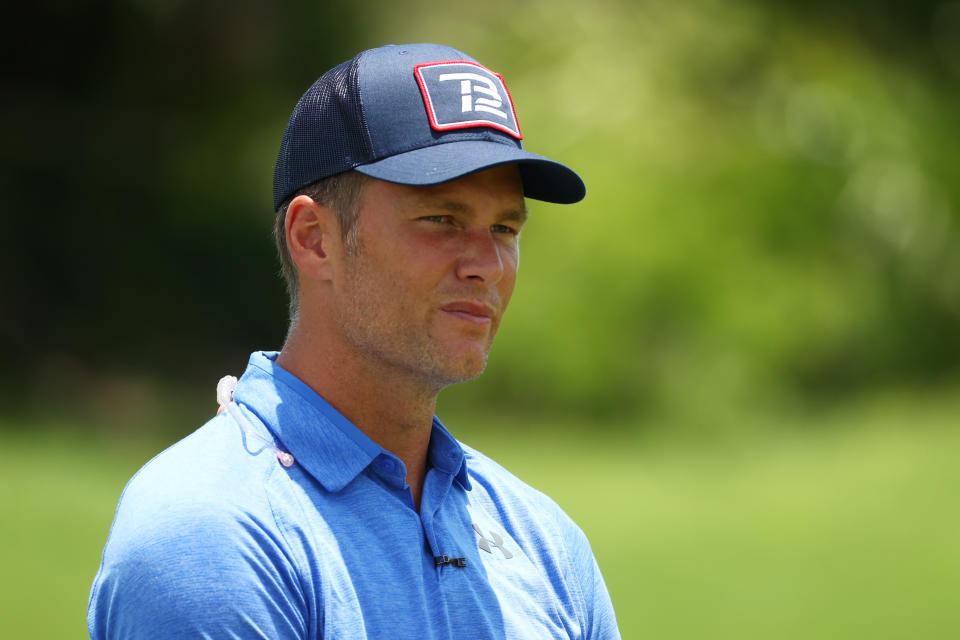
469 367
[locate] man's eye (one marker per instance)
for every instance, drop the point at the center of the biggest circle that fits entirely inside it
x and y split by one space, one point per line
502 228
437 219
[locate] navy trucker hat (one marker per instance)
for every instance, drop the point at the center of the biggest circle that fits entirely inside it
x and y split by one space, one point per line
417 114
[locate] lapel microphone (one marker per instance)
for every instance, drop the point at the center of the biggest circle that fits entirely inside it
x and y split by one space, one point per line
442 561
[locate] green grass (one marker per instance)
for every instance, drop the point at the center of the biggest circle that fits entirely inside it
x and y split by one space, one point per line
846 530
59 492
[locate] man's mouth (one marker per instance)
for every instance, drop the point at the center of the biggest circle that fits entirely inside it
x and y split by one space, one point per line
470 311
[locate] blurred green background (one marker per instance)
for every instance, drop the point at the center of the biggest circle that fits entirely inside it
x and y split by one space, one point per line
736 363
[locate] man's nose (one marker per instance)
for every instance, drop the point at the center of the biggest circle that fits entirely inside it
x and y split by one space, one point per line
480 258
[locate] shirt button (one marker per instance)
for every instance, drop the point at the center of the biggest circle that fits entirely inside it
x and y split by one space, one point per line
386 465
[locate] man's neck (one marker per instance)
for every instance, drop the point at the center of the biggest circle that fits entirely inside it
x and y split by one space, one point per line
390 409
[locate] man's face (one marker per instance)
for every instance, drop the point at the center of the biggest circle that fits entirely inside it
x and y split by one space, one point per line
424 294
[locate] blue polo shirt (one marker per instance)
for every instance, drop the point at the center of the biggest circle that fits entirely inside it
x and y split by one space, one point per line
214 538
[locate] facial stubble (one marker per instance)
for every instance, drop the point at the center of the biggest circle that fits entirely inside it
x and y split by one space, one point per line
381 322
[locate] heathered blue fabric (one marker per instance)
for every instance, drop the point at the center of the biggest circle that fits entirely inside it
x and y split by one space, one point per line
213 538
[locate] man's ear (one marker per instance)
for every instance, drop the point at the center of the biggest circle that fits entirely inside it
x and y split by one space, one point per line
312 233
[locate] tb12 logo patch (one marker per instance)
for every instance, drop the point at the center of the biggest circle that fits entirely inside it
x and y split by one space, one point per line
459 95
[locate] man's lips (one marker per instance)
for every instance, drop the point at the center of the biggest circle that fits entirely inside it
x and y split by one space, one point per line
471 311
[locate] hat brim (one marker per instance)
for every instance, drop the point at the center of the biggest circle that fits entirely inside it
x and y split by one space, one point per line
543 179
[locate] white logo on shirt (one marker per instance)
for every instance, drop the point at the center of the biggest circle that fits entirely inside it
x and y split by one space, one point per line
494 541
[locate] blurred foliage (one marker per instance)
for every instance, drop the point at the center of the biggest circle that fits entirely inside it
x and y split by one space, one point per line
772 216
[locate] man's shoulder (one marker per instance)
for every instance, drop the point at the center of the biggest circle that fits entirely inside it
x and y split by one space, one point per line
215 454
213 473
195 529
485 469
204 496
500 490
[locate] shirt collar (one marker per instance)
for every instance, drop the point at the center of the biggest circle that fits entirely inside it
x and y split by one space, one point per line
327 445
447 455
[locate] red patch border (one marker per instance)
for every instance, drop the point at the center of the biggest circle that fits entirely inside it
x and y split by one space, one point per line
428 102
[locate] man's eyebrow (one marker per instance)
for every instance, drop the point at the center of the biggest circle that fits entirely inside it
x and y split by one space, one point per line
516 215
511 215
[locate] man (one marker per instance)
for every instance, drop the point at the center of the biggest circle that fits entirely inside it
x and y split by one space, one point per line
327 500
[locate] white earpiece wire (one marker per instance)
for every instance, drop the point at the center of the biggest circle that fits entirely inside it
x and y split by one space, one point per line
225 388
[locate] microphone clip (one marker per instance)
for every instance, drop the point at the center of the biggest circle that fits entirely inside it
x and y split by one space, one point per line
442 561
